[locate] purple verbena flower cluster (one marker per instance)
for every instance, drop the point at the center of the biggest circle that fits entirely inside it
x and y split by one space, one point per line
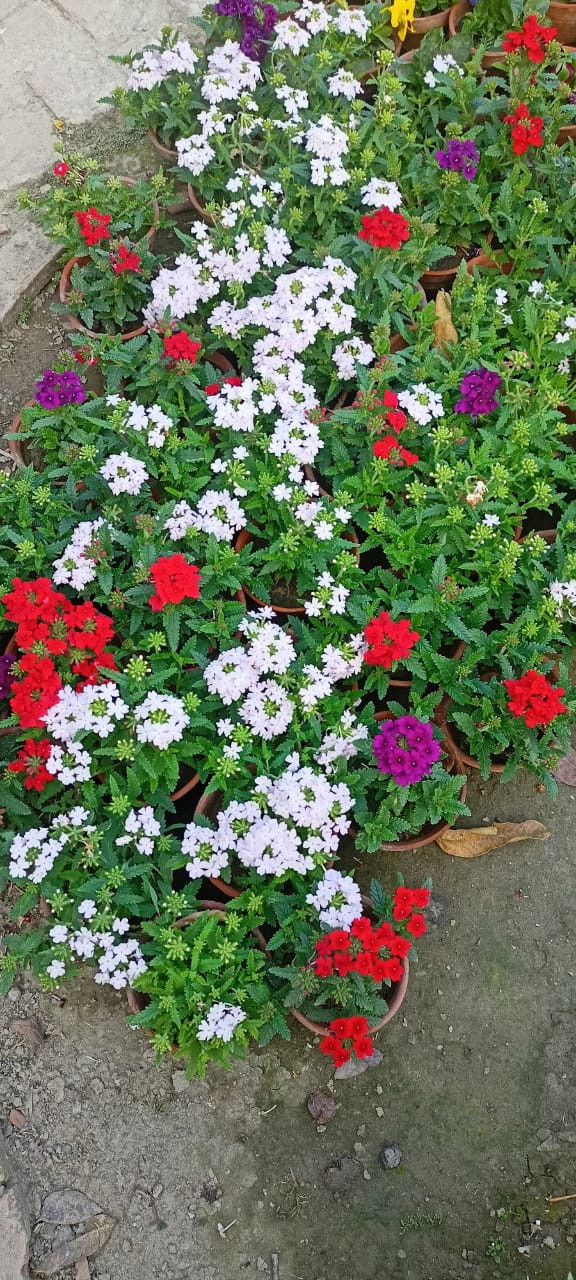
56 389
406 748
6 679
461 157
258 22
478 392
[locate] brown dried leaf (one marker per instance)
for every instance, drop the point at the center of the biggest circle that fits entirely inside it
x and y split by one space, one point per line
82 1246
476 841
17 1118
566 771
82 1270
68 1206
28 1029
444 331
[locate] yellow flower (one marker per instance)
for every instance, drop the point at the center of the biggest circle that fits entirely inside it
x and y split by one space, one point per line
402 16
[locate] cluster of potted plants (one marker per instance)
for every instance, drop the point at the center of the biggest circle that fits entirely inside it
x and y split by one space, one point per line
301 558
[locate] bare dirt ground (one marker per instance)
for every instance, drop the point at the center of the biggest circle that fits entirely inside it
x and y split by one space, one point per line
231 1177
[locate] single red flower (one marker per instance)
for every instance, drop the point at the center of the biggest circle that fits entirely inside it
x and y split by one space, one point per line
340 1056
393 970
421 897
390 400
363 1047
358 1026
60 170
31 762
392 452
329 1045
124 259
403 903
323 967
339 939
84 356
341 1027
92 225
384 229
388 641
397 420
361 929
212 389
400 946
343 963
416 925
364 964
175 580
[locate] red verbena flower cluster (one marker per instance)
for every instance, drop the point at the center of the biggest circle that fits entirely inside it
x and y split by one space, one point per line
405 900
124 259
179 346
526 130
389 641
359 951
92 225
532 38
60 170
58 639
392 452
533 699
175 580
393 416
31 762
347 1035
384 229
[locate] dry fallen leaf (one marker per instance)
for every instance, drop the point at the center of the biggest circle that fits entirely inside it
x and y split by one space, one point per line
444 331
82 1246
17 1118
29 1029
566 770
476 841
68 1206
82 1270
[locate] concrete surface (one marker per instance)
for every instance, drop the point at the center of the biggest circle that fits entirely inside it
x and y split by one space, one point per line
54 66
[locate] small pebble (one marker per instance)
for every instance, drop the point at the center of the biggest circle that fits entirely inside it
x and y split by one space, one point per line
367 1176
379 1088
401 1254
390 1156
549 1242
379 1112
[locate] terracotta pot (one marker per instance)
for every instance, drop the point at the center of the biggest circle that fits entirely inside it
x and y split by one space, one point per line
398 991
444 278
13 440
563 17
429 832
72 322
422 26
460 756
549 535
565 133
167 153
199 207
221 362
185 789
457 13
297 610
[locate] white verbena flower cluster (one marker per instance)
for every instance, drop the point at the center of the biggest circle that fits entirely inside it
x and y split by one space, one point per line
141 829
155 65
76 567
220 1022
124 474
337 900
33 854
421 403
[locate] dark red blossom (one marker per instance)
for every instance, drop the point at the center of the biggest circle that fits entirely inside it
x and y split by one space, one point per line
92 225
124 259
532 38
31 761
533 699
526 130
388 641
175 580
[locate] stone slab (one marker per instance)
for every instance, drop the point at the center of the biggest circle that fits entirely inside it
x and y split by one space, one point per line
14 1222
28 260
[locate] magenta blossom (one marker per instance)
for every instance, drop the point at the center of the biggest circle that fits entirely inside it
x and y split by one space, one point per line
461 156
478 392
53 390
407 749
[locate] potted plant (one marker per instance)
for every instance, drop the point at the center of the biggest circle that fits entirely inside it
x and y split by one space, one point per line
193 1005
107 287
132 204
341 959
